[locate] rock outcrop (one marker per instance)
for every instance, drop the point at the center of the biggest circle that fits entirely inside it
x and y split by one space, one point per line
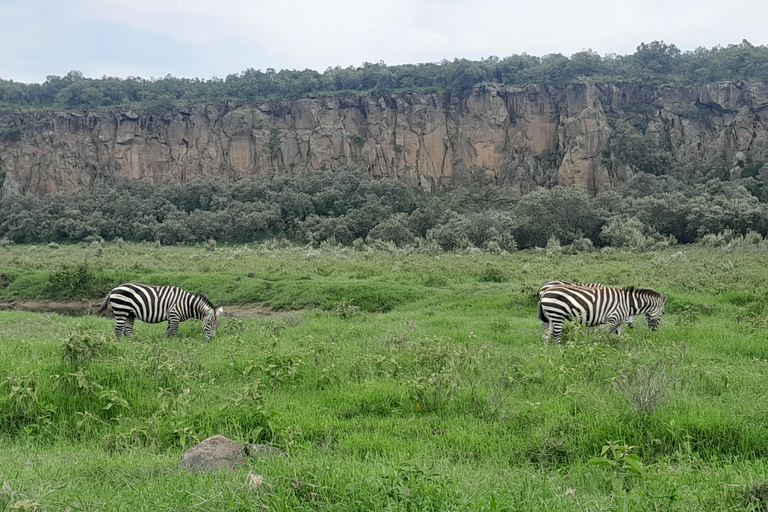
523 137
215 452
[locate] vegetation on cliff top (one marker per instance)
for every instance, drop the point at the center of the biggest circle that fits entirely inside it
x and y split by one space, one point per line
655 62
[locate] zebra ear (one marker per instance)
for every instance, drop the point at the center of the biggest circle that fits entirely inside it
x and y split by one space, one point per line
220 310
664 297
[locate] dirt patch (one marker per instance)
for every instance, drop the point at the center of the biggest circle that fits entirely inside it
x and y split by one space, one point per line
81 308
62 308
245 310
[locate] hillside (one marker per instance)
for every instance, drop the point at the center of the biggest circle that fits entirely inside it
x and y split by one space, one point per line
584 133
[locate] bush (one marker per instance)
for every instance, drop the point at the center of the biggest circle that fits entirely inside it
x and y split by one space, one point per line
492 273
75 282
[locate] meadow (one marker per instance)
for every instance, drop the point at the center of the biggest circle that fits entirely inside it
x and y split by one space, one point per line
394 381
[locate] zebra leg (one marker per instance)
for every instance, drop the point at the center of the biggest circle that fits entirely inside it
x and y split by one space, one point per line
556 329
119 325
630 321
173 326
128 328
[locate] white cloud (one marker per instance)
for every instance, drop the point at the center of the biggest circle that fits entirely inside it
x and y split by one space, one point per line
206 37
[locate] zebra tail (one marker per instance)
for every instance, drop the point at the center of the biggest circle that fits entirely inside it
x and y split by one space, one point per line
103 307
542 317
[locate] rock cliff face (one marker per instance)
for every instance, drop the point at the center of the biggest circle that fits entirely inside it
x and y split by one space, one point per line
529 137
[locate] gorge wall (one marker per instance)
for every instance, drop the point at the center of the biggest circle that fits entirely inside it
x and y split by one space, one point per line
523 137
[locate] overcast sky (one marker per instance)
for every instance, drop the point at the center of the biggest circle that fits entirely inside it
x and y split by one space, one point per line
207 38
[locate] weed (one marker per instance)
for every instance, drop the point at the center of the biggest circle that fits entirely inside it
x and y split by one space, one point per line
648 385
492 273
346 309
76 383
81 347
20 396
430 392
136 437
623 464
284 368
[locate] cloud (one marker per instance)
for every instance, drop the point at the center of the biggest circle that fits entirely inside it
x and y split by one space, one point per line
203 38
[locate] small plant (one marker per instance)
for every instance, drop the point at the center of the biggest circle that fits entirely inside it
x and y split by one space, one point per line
210 245
430 393
139 436
282 368
79 348
553 245
647 386
20 394
623 464
78 383
94 240
346 309
582 245
113 402
493 274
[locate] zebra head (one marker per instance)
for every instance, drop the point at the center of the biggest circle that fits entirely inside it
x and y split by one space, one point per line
653 315
211 322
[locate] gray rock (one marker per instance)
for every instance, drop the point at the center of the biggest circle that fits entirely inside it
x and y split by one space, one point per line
259 450
216 452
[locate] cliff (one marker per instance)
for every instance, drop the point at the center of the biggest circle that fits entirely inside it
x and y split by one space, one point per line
524 137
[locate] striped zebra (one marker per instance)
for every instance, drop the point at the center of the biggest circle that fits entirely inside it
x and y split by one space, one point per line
597 306
629 321
155 304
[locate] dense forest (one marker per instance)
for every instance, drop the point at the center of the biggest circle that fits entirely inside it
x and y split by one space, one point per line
349 207
655 62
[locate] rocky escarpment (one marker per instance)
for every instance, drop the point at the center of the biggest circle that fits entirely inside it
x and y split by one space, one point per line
524 137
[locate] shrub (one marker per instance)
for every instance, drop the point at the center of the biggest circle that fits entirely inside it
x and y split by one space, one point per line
648 385
492 273
79 348
70 281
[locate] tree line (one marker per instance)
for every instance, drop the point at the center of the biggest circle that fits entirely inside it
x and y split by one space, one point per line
655 62
348 206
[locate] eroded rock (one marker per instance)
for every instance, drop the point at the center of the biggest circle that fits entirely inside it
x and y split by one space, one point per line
216 452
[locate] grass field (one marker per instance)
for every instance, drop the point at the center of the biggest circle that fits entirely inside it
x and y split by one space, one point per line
394 381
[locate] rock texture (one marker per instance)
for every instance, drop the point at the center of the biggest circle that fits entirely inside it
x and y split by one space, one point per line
524 137
215 452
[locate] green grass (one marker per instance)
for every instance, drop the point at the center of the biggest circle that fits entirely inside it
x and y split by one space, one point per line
402 382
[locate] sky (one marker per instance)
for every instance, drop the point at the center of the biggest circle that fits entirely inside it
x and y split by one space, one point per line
215 38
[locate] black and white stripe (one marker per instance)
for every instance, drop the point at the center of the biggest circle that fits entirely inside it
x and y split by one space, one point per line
155 304
597 306
629 321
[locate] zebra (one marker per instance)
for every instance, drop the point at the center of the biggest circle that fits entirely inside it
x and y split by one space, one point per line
597 306
155 304
629 321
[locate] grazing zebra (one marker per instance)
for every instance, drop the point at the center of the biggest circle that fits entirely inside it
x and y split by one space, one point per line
630 320
597 306
155 304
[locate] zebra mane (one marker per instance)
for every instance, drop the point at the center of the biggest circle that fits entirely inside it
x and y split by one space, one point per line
202 298
642 291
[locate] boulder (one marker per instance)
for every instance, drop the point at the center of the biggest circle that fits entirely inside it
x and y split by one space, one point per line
216 452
